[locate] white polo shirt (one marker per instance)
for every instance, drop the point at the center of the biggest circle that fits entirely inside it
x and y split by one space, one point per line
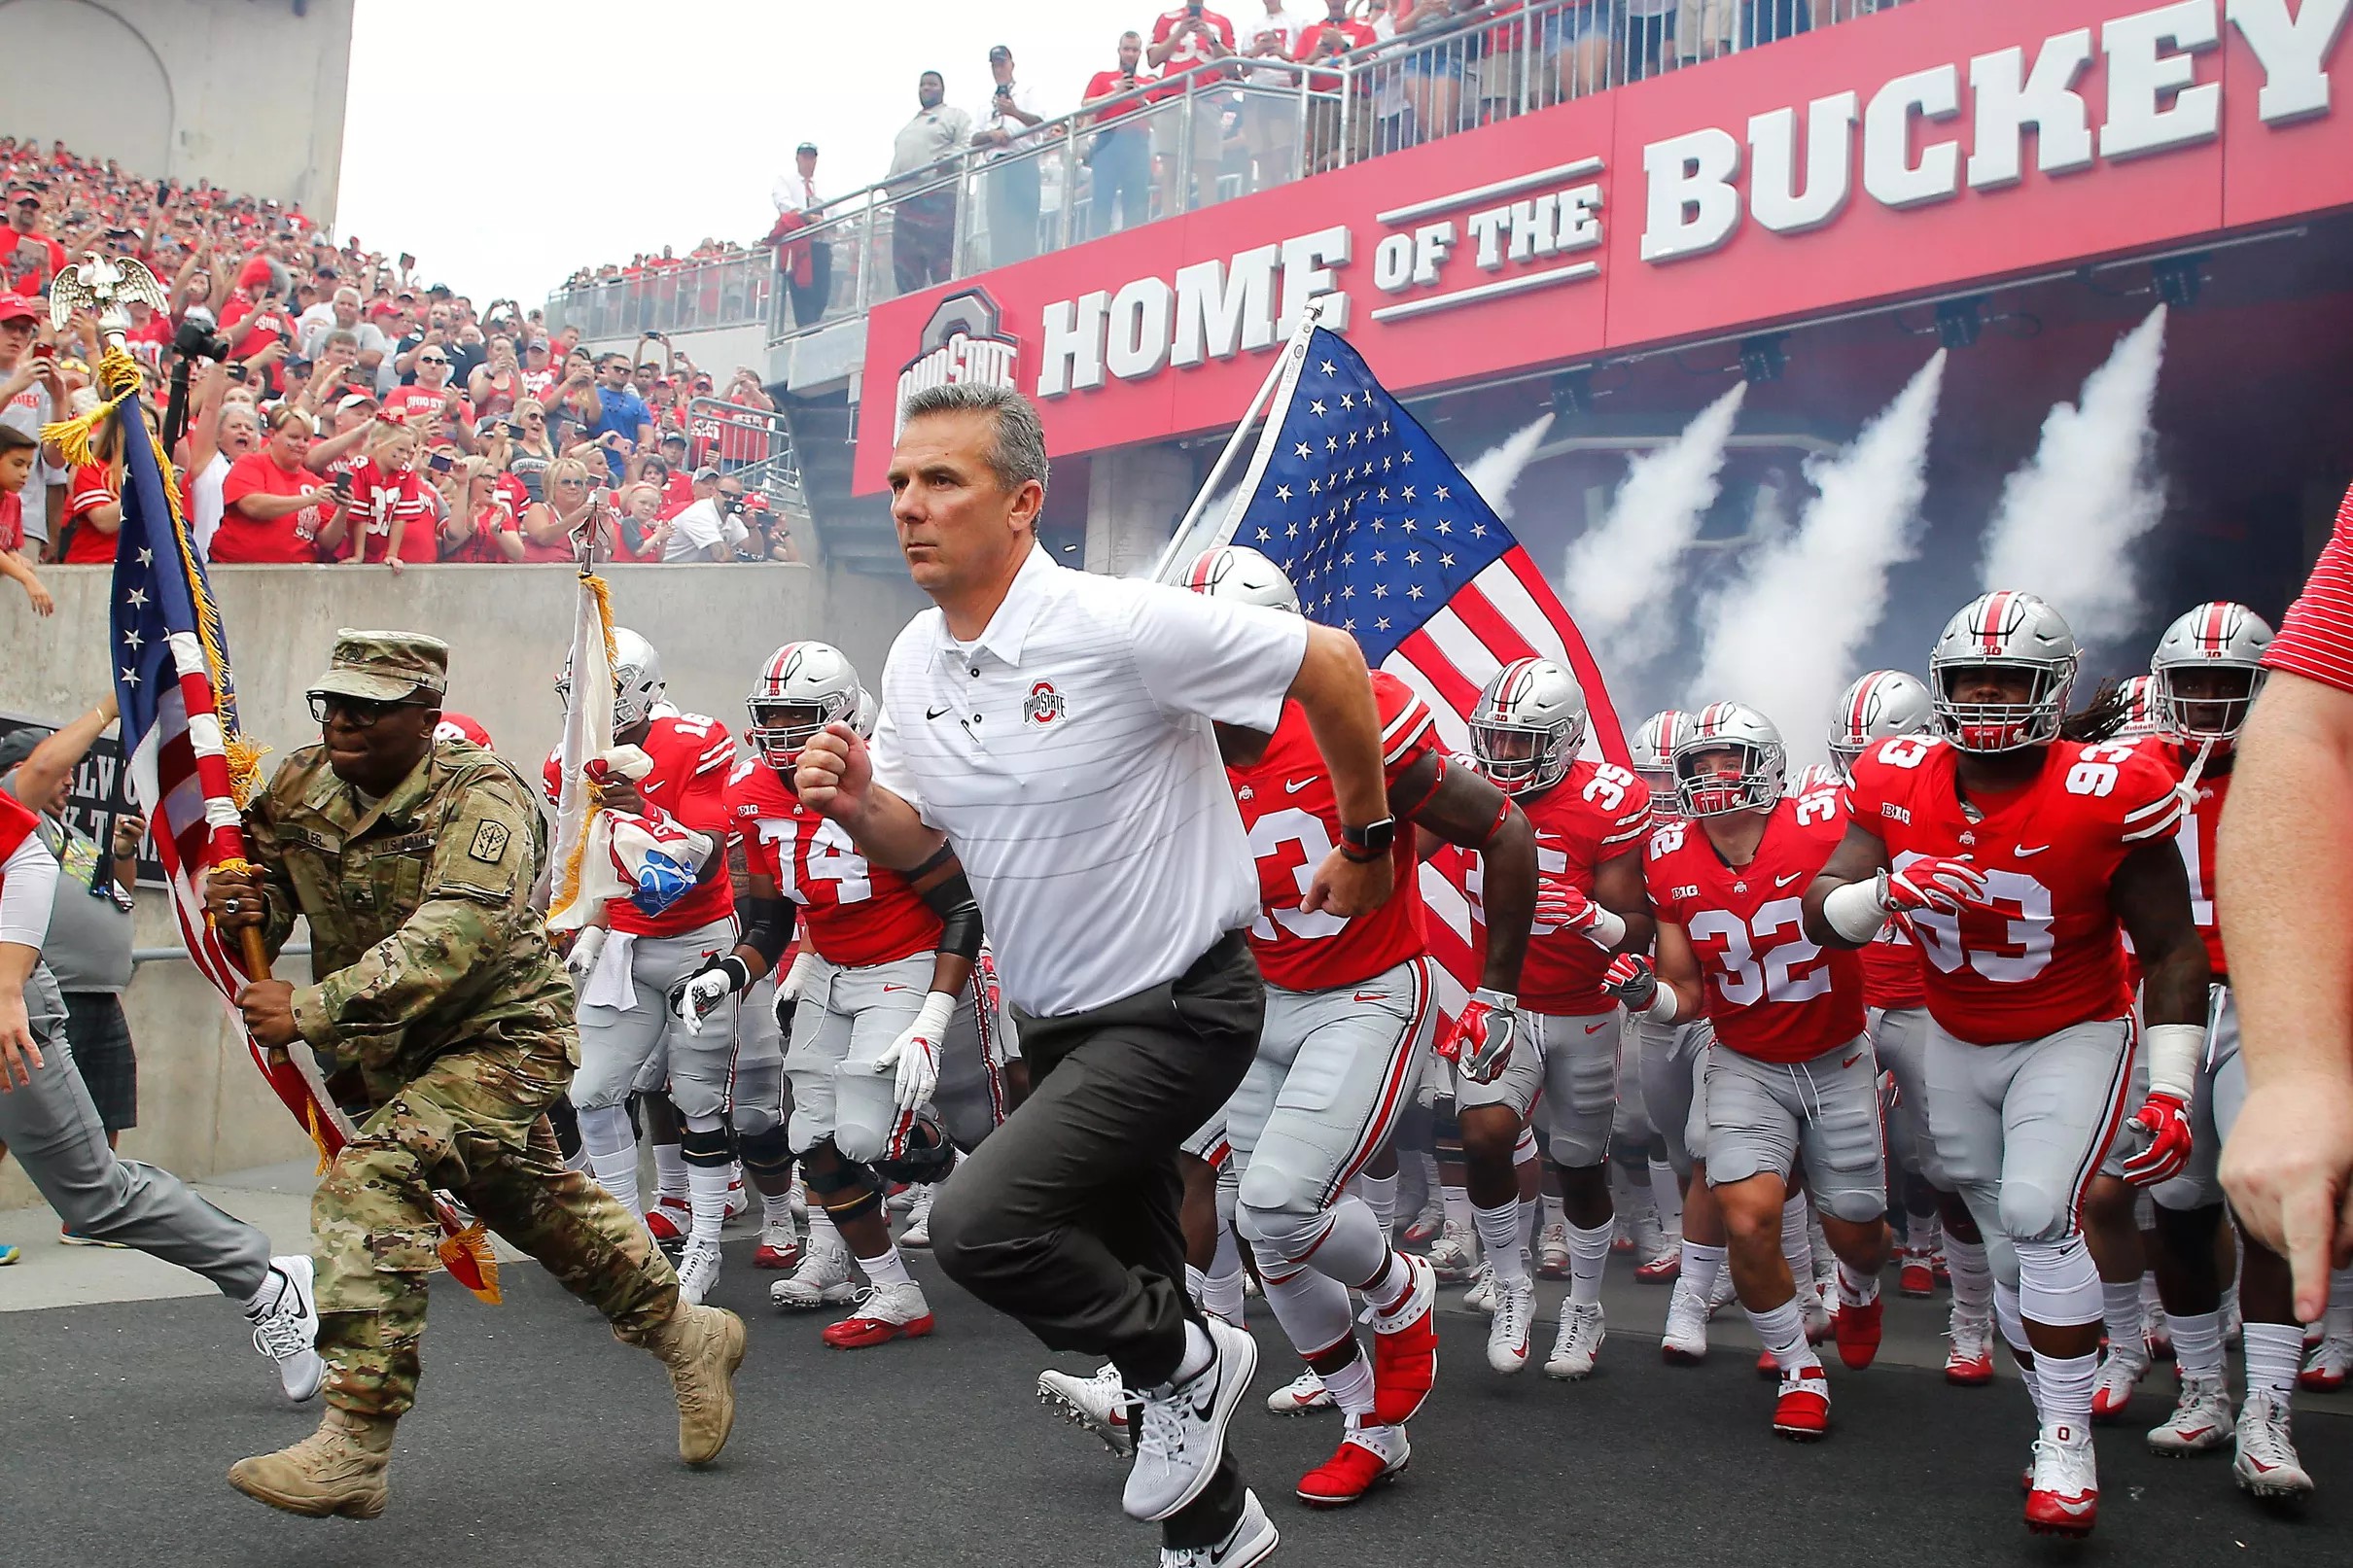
1066 753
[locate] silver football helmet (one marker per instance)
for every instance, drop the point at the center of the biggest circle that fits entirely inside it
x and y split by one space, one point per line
1527 725
1881 705
803 687
2004 632
1652 752
1706 789
2141 717
637 680
869 708
2208 670
1240 573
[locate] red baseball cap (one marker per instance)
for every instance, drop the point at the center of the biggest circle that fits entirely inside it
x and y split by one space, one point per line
14 305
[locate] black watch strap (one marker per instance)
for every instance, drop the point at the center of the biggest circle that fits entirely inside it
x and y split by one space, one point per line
1370 841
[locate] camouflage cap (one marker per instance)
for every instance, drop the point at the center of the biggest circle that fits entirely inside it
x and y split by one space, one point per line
385 666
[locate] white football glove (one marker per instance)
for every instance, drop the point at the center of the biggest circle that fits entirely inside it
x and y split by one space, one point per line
698 996
788 985
587 948
915 1055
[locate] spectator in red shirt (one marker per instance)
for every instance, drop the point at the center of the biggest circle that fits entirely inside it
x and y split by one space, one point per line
33 257
17 453
1336 35
431 406
395 520
93 514
482 525
274 512
1188 43
1120 156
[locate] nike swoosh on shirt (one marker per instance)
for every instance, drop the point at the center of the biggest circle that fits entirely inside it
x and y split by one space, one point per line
1783 881
2022 852
934 712
1293 787
1596 1028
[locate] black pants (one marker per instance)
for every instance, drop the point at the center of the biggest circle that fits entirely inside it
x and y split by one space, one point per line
1066 1217
809 302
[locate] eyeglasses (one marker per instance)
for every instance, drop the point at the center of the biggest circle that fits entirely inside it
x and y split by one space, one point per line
731 495
571 484
430 358
535 419
360 712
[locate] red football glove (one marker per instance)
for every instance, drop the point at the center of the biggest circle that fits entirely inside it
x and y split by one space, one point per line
1564 906
2166 1122
1945 885
1631 980
1481 1042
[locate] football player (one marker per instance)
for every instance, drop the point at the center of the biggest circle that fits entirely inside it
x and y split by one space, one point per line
1588 819
2206 672
630 1038
2016 853
1790 1074
878 997
1881 705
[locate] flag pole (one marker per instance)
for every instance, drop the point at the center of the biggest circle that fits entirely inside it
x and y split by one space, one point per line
1309 317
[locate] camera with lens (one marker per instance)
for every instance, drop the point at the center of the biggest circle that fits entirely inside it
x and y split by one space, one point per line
197 340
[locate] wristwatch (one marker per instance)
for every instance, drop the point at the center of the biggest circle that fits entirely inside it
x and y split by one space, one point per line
1370 841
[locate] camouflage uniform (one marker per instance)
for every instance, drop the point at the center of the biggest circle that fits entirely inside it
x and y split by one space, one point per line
437 986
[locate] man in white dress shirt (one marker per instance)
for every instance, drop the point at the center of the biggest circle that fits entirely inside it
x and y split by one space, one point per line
1012 183
1056 728
797 193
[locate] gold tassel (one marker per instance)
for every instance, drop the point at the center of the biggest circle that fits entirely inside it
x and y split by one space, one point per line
310 1125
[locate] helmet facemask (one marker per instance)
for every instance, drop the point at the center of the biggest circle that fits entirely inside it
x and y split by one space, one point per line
1521 758
779 731
1717 778
1991 728
2207 702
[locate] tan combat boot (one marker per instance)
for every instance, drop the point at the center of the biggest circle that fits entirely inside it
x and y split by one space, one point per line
339 1469
702 1346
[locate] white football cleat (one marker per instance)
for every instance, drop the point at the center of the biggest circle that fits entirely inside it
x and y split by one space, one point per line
1303 1395
739 1196
918 1232
2063 1489
2329 1365
286 1328
2267 1464
1250 1542
1814 1309
697 1272
1100 1403
1481 1296
1552 1251
1685 1342
1507 1333
2120 1371
1455 1255
2201 1418
800 1196
779 1246
1579 1344
823 1278
1427 1225
1649 1236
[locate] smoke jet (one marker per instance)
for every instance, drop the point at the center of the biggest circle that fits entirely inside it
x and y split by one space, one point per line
1493 471
2066 523
1783 636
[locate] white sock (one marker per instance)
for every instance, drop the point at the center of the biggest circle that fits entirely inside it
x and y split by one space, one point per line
1199 1351
885 1268
1553 1212
1351 1386
617 1173
2064 1390
1783 1330
1972 1274
1221 1294
670 1174
1588 1257
2121 1311
265 1295
1427 1165
2274 1354
2197 1343
1701 1266
1380 1195
1666 1196
1921 1234
611 1156
2229 1303
1528 1222
821 1228
1458 1210
1312 1306
707 1194
1797 1243
1856 1289
1499 1232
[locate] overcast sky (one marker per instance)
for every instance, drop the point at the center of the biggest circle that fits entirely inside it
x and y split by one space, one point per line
546 136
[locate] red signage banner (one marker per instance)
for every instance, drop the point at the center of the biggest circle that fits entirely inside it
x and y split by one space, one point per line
1937 146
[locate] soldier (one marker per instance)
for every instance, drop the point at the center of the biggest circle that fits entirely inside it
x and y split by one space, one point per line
435 988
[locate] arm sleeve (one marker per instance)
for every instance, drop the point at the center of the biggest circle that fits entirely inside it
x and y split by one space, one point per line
1229 662
2316 640
477 900
29 890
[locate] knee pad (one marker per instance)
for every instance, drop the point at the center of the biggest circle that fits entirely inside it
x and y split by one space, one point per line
2030 1213
1855 1207
845 1189
1276 1211
607 1129
704 1145
2058 1283
767 1154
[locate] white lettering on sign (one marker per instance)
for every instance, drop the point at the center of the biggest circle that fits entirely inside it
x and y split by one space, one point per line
1775 197
988 361
2290 52
2152 101
1222 310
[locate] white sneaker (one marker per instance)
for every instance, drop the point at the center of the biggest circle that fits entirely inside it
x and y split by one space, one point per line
899 1202
2266 1465
1303 1395
1100 1403
918 1232
823 1278
1507 1334
286 1328
1552 1251
1251 1541
1579 1344
1649 1236
1181 1431
1426 1224
2201 1418
1722 1294
1481 1296
1455 1255
697 1272
1685 1342
779 1246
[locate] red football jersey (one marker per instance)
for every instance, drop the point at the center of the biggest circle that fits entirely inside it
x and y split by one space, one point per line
2049 953
1891 960
1772 994
692 757
1598 812
1293 821
2194 838
855 913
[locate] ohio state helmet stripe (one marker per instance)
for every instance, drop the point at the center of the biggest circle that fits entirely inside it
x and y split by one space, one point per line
1994 612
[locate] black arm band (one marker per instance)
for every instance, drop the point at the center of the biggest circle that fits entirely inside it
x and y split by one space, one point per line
767 924
951 899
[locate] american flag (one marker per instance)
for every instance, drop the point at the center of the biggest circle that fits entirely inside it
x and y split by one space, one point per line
1385 539
176 719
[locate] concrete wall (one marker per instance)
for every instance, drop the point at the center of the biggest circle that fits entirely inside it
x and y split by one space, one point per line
202 1108
245 93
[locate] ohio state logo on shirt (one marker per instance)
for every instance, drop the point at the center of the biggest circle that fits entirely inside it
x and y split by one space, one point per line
1045 705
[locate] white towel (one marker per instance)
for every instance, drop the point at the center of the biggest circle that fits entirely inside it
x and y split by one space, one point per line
610 984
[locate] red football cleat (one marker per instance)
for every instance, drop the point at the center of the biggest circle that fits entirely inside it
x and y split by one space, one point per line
884 1312
1663 1269
1917 1276
669 1221
1359 1466
1969 1364
1405 1351
785 1257
1801 1412
2064 1496
1859 1331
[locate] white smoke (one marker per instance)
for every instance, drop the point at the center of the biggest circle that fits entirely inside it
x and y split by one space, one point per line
1783 637
2066 522
1494 471
1619 575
